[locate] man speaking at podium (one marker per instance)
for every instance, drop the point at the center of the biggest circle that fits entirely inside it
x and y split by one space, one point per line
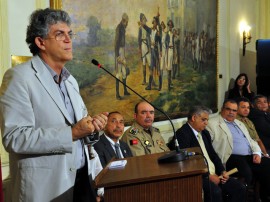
218 184
44 120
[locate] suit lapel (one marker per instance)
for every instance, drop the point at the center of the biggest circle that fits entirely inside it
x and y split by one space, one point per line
226 130
74 98
242 127
267 116
48 83
123 150
107 145
191 135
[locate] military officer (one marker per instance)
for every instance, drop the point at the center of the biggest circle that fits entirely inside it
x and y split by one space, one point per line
142 137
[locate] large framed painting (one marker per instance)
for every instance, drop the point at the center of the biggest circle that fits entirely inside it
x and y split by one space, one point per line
164 50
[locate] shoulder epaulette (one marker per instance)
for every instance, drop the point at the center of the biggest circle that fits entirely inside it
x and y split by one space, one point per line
156 129
133 130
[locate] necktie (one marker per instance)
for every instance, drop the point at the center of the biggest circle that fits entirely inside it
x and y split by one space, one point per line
205 153
117 150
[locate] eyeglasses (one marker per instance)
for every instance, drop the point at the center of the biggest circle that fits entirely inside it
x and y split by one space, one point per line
229 109
61 36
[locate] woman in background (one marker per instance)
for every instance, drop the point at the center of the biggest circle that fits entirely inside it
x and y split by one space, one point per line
241 88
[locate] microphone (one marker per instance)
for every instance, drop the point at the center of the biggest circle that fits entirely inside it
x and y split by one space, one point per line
172 156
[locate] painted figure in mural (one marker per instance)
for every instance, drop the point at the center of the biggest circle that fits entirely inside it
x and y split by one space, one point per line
190 45
170 52
178 49
193 51
201 51
155 47
163 52
197 50
144 45
185 45
176 60
121 68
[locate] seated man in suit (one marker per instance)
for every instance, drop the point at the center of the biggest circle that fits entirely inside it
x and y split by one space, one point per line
236 148
142 137
242 115
109 145
194 134
260 116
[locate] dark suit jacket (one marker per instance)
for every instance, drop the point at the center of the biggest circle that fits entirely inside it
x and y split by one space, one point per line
105 151
261 121
186 138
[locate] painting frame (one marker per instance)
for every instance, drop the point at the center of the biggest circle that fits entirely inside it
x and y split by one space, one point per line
17 59
188 97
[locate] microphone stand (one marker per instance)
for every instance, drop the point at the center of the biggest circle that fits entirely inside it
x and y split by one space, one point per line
172 156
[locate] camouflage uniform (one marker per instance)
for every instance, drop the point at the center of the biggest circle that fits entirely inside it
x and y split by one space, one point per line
141 142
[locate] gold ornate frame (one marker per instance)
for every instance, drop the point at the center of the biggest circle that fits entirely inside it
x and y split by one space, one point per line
56 4
16 60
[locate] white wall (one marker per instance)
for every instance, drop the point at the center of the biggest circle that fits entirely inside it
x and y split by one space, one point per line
17 25
18 16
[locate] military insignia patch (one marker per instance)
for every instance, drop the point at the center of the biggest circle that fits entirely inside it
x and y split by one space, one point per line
133 142
133 131
147 143
160 142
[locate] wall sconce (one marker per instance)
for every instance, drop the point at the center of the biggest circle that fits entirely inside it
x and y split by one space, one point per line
246 38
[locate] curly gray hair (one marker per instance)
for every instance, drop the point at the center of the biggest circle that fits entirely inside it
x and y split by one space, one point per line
39 25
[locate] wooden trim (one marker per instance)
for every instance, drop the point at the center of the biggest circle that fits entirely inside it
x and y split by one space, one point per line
56 4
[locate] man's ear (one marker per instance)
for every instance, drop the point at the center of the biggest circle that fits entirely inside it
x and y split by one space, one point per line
193 118
135 116
40 43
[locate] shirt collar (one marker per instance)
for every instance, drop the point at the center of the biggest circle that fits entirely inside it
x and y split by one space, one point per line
64 73
110 140
194 131
242 118
230 122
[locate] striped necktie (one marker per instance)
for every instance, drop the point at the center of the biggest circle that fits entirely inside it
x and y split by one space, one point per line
117 150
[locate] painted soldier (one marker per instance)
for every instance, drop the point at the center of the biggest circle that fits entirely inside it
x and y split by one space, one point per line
155 47
120 59
144 45
170 51
163 52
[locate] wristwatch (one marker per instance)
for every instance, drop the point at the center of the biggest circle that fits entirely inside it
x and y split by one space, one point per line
266 155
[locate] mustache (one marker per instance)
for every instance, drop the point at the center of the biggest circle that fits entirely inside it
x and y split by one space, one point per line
118 130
